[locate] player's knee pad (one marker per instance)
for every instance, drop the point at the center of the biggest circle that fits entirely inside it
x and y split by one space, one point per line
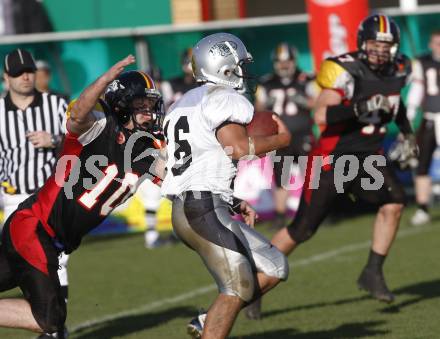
50 316
273 263
281 267
242 283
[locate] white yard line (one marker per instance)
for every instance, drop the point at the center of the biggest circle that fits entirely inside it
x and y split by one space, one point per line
208 288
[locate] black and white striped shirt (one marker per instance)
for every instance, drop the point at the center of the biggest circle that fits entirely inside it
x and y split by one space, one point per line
21 164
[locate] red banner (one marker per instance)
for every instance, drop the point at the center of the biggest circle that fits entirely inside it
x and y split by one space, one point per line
333 26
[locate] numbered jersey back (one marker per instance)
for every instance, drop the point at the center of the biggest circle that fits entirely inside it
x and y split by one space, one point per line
196 160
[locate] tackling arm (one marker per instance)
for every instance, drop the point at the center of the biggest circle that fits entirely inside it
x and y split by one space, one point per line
327 98
80 120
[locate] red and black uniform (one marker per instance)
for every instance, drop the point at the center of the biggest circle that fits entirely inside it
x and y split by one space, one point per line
96 171
426 70
351 77
288 98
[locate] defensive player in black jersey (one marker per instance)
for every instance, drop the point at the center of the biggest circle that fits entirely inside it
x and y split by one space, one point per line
97 170
174 88
290 93
360 94
425 93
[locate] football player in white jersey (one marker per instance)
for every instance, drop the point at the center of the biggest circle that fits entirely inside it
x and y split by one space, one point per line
206 135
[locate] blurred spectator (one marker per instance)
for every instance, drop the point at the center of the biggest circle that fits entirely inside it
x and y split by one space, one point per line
156 74
173 89
290 93
425 93
43 76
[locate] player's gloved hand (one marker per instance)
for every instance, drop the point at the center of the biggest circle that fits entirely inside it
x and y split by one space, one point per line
370 110
410 145
405 152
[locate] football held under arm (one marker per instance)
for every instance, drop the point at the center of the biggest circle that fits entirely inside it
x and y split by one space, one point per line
228 116
79 111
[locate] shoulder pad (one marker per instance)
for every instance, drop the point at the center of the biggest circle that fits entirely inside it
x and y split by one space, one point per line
99 107
329 73
350 62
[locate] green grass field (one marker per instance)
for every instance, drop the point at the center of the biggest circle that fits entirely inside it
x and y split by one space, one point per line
121 290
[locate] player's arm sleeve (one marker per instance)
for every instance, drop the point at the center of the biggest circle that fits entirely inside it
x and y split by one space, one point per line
402 119
335 77
99 124
416 91
226 107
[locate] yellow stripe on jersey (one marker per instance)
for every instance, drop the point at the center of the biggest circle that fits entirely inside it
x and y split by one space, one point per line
329 73
70 107
98 107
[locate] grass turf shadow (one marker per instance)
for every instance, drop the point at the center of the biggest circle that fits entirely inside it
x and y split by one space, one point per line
420 291
126 325
352 330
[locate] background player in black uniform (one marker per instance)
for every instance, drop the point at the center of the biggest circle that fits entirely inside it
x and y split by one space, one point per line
173 89
360 95
290 93
425 93
97 171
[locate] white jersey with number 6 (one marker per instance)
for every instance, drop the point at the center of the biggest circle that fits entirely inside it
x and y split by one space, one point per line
196 159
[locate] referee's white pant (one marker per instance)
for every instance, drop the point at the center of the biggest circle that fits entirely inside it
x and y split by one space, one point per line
10 204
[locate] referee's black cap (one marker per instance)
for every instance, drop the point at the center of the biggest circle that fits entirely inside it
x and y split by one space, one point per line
19 61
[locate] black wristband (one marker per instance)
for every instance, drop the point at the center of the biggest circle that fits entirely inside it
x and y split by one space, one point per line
235 207
339 113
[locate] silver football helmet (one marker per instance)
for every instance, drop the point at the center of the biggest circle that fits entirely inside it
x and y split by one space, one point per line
219 58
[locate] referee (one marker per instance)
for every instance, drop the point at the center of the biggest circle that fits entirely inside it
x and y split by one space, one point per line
31 128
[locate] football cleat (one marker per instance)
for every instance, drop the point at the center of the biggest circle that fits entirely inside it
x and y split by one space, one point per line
63 334
253 310
195 326
421 217
374 283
